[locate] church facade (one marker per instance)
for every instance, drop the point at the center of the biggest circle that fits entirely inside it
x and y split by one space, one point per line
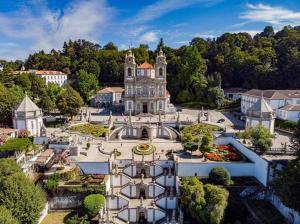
145 85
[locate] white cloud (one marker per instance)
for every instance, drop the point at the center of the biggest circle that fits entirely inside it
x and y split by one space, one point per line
47 29
275 15
148 37
251 32
205 35
162 7
182 42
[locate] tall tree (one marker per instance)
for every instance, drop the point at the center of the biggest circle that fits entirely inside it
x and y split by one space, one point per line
19 195
87 84
69 102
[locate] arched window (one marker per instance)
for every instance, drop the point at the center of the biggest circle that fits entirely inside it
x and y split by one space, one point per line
129 72
160 72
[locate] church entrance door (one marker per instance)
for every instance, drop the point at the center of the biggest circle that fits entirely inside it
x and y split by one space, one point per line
145 108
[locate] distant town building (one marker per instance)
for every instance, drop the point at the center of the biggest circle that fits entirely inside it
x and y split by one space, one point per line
261 114
283 102
145 85
50 76
108 96
28 116
57 77
289 112
234 93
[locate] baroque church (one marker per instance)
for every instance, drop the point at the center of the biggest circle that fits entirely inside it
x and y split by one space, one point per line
145 86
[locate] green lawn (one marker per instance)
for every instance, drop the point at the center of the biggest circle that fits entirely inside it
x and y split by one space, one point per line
58 217
90 129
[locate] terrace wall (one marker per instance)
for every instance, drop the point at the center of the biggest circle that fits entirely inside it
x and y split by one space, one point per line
261 165
258 167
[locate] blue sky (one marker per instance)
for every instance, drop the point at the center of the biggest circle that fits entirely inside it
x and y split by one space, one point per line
27 26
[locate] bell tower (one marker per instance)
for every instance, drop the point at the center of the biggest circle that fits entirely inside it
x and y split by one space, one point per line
161 65
130 65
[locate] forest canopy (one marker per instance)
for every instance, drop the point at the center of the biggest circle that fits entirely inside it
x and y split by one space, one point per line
195 72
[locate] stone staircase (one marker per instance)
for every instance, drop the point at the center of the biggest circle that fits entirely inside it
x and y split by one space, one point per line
146 196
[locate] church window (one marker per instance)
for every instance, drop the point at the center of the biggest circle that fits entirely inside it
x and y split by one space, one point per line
160 72
129 71
138 106
32 125
160 105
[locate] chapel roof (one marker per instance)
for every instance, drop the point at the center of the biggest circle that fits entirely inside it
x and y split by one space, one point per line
27 105
145 65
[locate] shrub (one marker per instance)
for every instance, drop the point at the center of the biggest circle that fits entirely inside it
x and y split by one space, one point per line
219 175
22 198
93 203
17 144
51 184
78 220
6 217
204 203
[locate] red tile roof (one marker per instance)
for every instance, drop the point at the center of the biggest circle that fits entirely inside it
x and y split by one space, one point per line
48 72
112 90
145 65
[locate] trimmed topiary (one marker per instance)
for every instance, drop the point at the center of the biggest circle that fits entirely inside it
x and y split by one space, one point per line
93 203
220 176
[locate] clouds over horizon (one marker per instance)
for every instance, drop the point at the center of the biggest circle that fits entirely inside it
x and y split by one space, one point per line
46 29
274 15
34 25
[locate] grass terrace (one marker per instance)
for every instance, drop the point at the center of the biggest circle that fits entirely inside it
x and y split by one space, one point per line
17 144
191 133
59 217
90 129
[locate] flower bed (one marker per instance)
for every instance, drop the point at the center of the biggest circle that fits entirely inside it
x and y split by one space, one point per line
144 149
223 153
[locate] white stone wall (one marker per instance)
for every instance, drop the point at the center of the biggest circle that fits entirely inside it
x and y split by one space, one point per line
130 170
119 180
166 180
289 115
290 214
129 191
116 202
157 214
155 190
167 202
155 170
58 79
203 169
